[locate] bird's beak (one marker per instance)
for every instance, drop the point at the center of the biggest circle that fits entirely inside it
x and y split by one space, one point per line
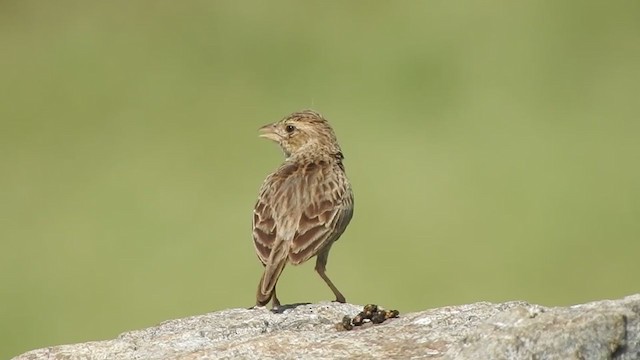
269 132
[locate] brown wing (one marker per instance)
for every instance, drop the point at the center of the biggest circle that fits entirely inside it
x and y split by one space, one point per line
326 214
264 225
309 206
274 215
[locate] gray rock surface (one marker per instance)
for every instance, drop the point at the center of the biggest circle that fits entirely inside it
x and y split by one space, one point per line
607 329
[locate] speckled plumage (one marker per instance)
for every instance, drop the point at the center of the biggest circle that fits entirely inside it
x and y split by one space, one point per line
305 205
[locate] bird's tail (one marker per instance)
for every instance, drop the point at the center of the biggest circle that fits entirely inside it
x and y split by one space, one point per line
273 268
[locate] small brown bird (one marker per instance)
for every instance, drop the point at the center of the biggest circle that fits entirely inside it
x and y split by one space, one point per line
305 205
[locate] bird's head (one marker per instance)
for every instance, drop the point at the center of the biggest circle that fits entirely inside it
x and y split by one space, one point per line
302 131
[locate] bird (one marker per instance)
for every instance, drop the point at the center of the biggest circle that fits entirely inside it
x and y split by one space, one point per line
305 205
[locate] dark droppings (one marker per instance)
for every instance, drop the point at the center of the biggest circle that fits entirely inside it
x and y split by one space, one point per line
345 324
371 313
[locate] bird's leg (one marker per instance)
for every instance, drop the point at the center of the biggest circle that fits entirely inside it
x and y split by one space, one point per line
321 264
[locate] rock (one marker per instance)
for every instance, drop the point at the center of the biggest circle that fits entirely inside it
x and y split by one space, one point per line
607 329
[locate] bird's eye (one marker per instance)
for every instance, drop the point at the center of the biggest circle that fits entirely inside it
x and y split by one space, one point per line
290 128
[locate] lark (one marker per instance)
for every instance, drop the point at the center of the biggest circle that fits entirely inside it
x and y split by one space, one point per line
305 205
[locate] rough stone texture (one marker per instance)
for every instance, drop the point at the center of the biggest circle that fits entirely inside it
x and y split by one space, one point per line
607 329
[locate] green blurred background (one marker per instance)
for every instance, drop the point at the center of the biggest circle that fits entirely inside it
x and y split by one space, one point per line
493 149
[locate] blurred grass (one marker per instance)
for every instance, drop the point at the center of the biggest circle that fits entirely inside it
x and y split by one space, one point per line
493 149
